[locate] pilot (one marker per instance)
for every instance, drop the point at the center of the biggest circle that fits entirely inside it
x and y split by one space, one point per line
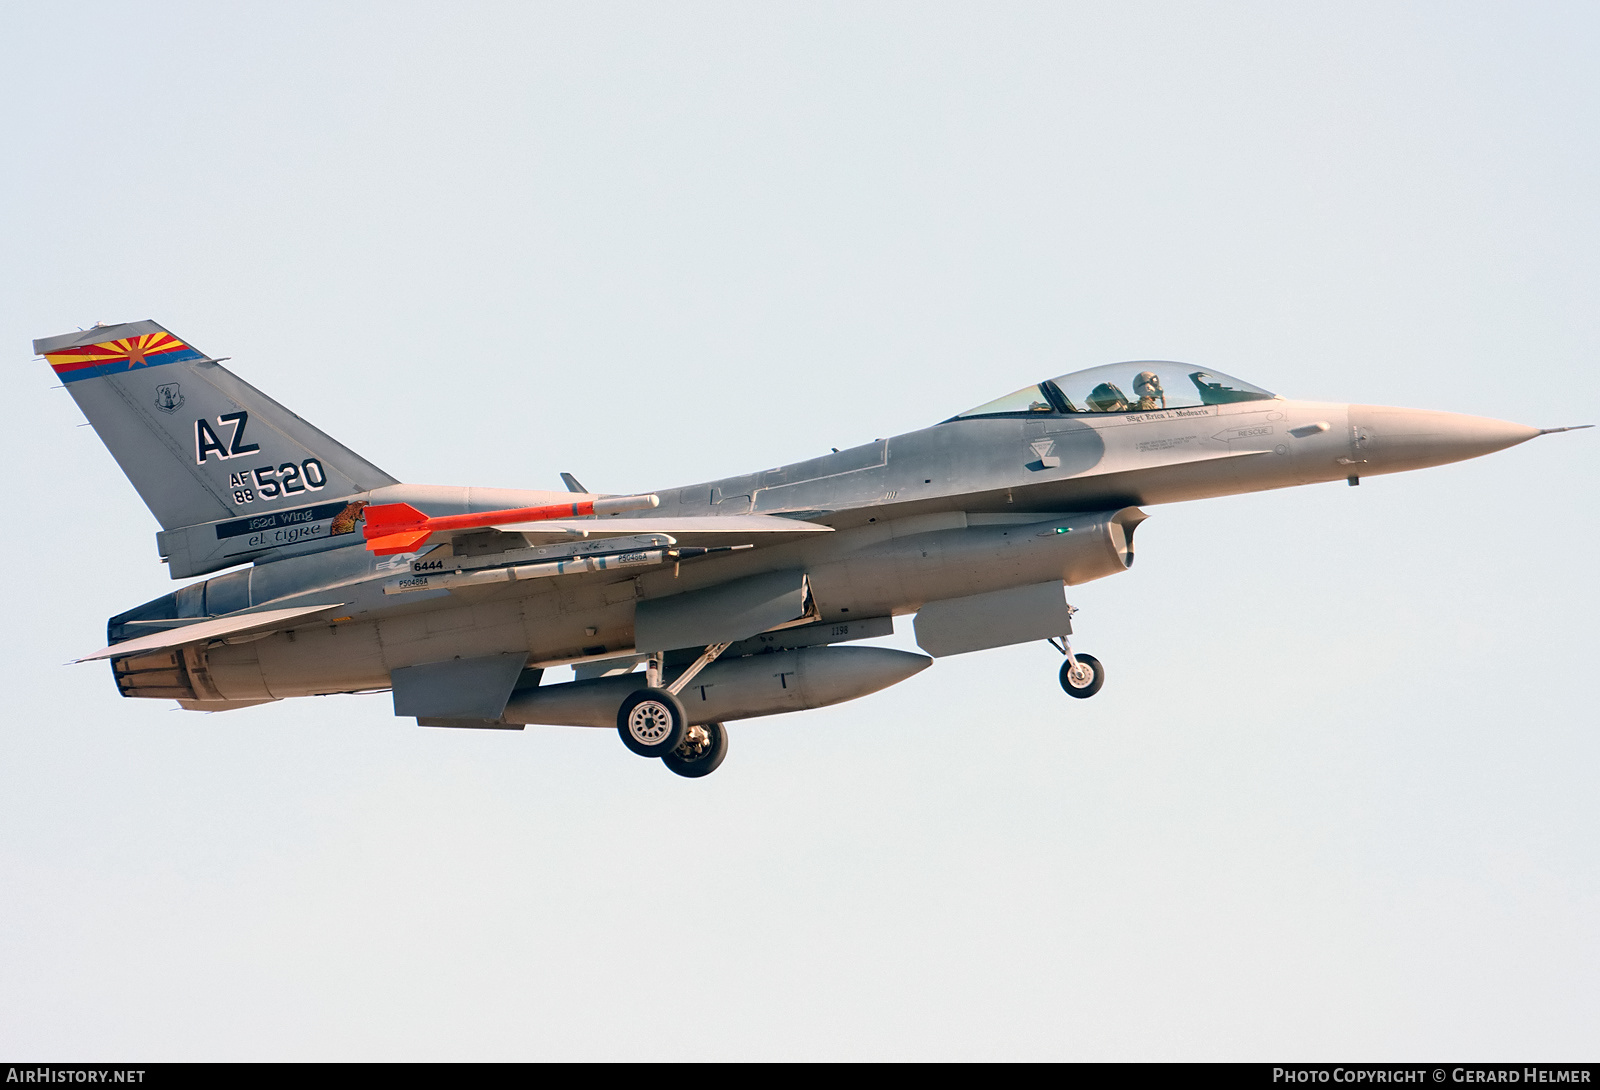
1106 398
1147 386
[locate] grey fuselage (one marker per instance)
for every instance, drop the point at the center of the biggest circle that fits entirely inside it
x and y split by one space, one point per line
966 507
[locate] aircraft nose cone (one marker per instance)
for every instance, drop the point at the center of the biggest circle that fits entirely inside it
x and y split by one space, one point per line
1389 439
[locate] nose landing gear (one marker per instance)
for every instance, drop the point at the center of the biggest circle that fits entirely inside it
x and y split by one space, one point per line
1081 675
1082 678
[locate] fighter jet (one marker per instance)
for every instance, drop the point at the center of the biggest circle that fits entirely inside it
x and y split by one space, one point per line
683 609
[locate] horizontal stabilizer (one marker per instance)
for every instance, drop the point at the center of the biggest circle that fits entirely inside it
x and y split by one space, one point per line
205 631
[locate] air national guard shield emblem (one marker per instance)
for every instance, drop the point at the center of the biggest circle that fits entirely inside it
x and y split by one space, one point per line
169 398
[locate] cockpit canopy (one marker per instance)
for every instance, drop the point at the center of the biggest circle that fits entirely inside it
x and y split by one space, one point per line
1146 386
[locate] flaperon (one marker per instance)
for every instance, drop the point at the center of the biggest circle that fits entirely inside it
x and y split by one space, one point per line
735 596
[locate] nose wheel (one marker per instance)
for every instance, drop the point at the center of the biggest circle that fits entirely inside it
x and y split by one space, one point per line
1081 675
1083 678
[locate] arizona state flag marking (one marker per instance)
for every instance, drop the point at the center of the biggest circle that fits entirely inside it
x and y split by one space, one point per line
114 357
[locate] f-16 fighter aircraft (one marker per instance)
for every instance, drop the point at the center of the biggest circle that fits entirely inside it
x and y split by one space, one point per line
736 597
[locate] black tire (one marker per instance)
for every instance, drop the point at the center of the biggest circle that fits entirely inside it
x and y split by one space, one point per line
699 756
651 722
1081 691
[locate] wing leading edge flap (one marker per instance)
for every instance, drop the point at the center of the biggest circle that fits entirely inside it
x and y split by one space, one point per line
205 631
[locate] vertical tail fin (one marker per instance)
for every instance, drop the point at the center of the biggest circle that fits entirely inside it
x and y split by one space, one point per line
199 443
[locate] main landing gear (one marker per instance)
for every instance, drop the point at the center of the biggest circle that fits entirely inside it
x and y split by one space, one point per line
1081 675
702 751
652 721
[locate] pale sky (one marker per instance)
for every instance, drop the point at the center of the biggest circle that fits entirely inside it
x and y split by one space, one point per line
1337 797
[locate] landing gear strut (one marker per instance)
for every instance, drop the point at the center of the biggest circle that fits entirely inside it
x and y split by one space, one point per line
652 721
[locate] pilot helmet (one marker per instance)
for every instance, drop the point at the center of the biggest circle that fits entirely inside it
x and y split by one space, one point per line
1106 398
1147 384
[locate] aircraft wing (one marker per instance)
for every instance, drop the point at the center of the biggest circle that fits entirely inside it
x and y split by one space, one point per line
207 630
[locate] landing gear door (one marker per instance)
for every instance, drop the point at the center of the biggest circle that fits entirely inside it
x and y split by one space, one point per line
1000 618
